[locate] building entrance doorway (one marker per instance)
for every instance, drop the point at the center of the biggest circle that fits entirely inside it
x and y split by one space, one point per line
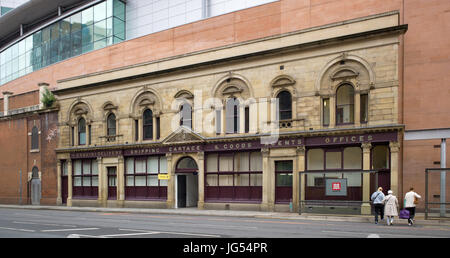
186 183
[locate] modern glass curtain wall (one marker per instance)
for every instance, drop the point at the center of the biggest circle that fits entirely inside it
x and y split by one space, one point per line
93 28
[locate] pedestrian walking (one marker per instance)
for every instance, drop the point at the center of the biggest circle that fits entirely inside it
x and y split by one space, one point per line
377 199
411 199
390 207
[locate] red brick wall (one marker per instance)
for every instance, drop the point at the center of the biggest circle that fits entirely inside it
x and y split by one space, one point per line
15 155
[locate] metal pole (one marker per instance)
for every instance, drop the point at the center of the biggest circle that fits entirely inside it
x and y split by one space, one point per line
443 172
20 187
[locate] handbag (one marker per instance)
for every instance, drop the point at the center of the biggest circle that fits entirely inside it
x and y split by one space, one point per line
416 200
404 214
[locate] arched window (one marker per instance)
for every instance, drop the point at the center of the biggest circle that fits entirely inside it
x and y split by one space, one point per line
232 115
111 124
34 138
285 105
186 164
186 115
81 131
345 110
148 124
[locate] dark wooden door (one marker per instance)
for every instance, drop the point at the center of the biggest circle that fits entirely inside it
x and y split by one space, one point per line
181 191
64 188
112 183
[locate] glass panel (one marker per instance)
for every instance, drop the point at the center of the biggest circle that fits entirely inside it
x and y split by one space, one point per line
130 166
364 108
86 181
187 163
211 163
77 167
284 165
380 157
94 167
241 180
285 105
87 16
152 165
242 161
77 181
65 169
284 179
163 182
100 12
211 180
352 158
100 30
75 21
163 165
86 167
119 10
130 181
353 179
140 166
316 180
140 181
152 180
118 28
95 181
333 160
315 159
256 179
226 163
326 111
226 180
256 161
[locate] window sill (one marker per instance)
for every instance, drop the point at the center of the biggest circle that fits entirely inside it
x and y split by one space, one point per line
34 151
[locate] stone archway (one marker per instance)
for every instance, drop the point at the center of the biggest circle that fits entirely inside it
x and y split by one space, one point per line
186 171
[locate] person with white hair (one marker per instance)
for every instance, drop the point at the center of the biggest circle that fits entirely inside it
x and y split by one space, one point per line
390 207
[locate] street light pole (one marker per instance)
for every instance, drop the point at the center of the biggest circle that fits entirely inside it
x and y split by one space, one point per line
443 174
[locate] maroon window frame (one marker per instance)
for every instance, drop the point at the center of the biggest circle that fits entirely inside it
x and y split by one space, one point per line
87 190
250 193
147 192
317 192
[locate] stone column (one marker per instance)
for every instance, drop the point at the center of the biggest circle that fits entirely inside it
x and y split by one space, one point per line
357 107
59 183
69 183
120 183
6 95
365 207
297 195
42 87
170 182
267 200
201 180
102 189
395 148
332 112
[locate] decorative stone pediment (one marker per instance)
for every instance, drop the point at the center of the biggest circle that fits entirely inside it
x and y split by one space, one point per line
183 135
282 81
232 90
80 111
146 102
108 106
184 94
344 74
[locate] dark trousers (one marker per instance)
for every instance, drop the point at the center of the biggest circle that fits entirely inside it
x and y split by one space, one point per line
379 209
412 213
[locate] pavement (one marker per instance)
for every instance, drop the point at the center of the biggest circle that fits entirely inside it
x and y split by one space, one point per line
419 219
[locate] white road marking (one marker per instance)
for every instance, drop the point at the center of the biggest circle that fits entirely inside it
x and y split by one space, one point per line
174 233
68 229
42 224
18 229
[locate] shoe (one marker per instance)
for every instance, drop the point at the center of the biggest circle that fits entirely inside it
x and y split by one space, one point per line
376 222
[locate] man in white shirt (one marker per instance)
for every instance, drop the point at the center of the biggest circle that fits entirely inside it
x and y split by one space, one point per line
410 205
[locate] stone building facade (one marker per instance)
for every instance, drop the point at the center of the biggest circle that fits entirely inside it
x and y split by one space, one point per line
204 129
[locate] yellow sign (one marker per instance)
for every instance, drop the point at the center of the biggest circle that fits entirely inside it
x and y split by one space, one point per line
163 176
